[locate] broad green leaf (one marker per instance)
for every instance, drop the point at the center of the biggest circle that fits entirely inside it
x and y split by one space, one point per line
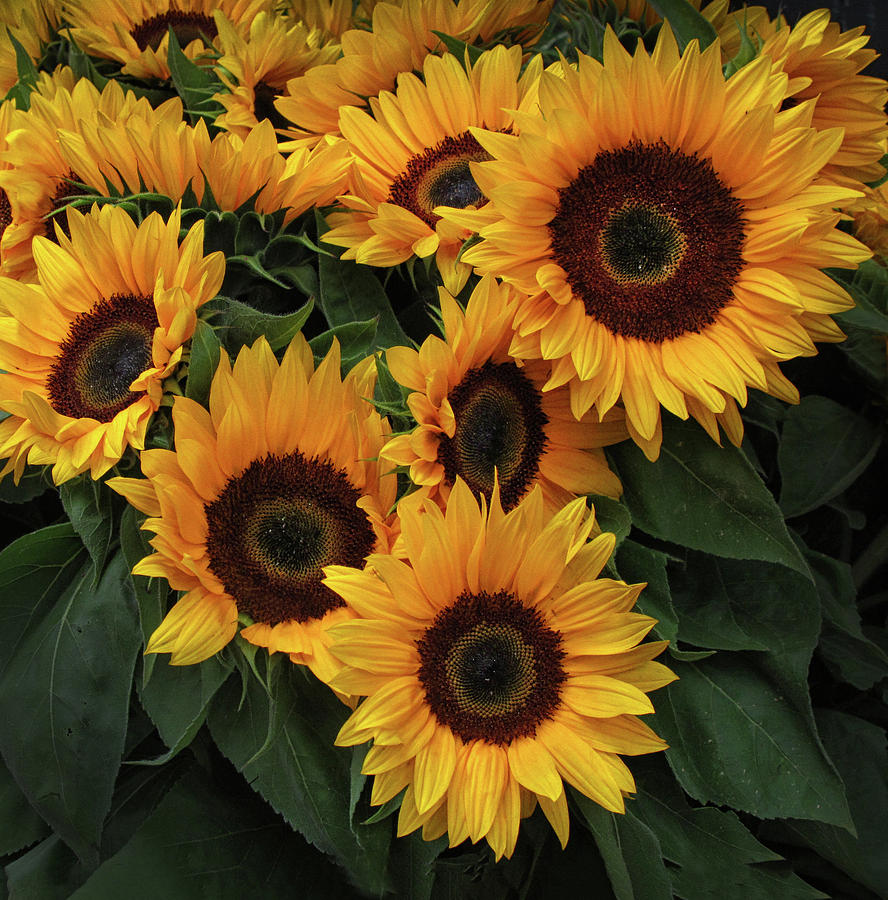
858 749
205 352
712 854
204 842
92 510
824 448
843 646
412 865
636 563
48 871
739 724
611 515
34 481
239 324
20 92
177 698
352 293
686 22
356 342
65 687
630 852
195 84
705 497
300 772
20 826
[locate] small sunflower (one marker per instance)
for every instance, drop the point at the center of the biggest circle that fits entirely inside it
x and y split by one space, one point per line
401 37
496 667
331 17
412 155
667 227
85 351
480 415
256 65
135 33
870 215
31 23
259 494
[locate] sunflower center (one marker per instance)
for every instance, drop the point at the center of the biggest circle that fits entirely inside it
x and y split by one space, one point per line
187 26
491 668
5 212
66 190
650 241
275 526
499 427
264 96
440 176
105 350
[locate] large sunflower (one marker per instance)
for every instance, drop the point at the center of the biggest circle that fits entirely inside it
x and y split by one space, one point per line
496 667
256 65
85 351
260 493
413 154
135 33
668 227
400 39
479 413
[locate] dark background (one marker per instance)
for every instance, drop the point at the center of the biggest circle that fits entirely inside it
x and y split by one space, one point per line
873 14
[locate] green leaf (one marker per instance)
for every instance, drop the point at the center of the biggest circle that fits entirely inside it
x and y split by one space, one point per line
356 341
637 563
686 22
824 449
34 481
858 749
205 351
848 652
91 509
195 84
177 698
48 871
353 293
739 725
300 773
611 515
203 842
71 669
20 826
27 74
712 854
459 48
240 324
630 851
705 497
412 865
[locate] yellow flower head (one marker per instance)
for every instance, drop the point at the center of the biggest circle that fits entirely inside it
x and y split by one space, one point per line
85 350
412 155
481 415
668 228
496 667
276 480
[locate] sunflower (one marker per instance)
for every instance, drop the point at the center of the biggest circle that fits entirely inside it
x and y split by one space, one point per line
401 38
413 154
870 215
73 140
331 17
256 65
31 23
667 227
259 494
135 33
496 667
85 351
479 413
7 111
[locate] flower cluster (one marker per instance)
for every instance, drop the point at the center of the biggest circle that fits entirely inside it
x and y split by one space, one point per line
387 480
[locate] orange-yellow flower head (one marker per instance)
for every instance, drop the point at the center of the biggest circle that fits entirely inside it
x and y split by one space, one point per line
85 350
412 155
497 667
480 414
278 479
668 227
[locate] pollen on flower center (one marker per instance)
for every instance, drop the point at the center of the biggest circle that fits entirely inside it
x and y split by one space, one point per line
650 241
187 26
499 428
105 350
491 668
5 212
275 526
440 176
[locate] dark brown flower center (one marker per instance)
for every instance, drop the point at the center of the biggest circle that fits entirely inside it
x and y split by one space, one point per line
264 96
5 212
499 427
187 26
650 240
105 350
275 526
491 668
440 176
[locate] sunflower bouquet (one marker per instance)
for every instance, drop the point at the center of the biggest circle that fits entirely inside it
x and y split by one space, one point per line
420 474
